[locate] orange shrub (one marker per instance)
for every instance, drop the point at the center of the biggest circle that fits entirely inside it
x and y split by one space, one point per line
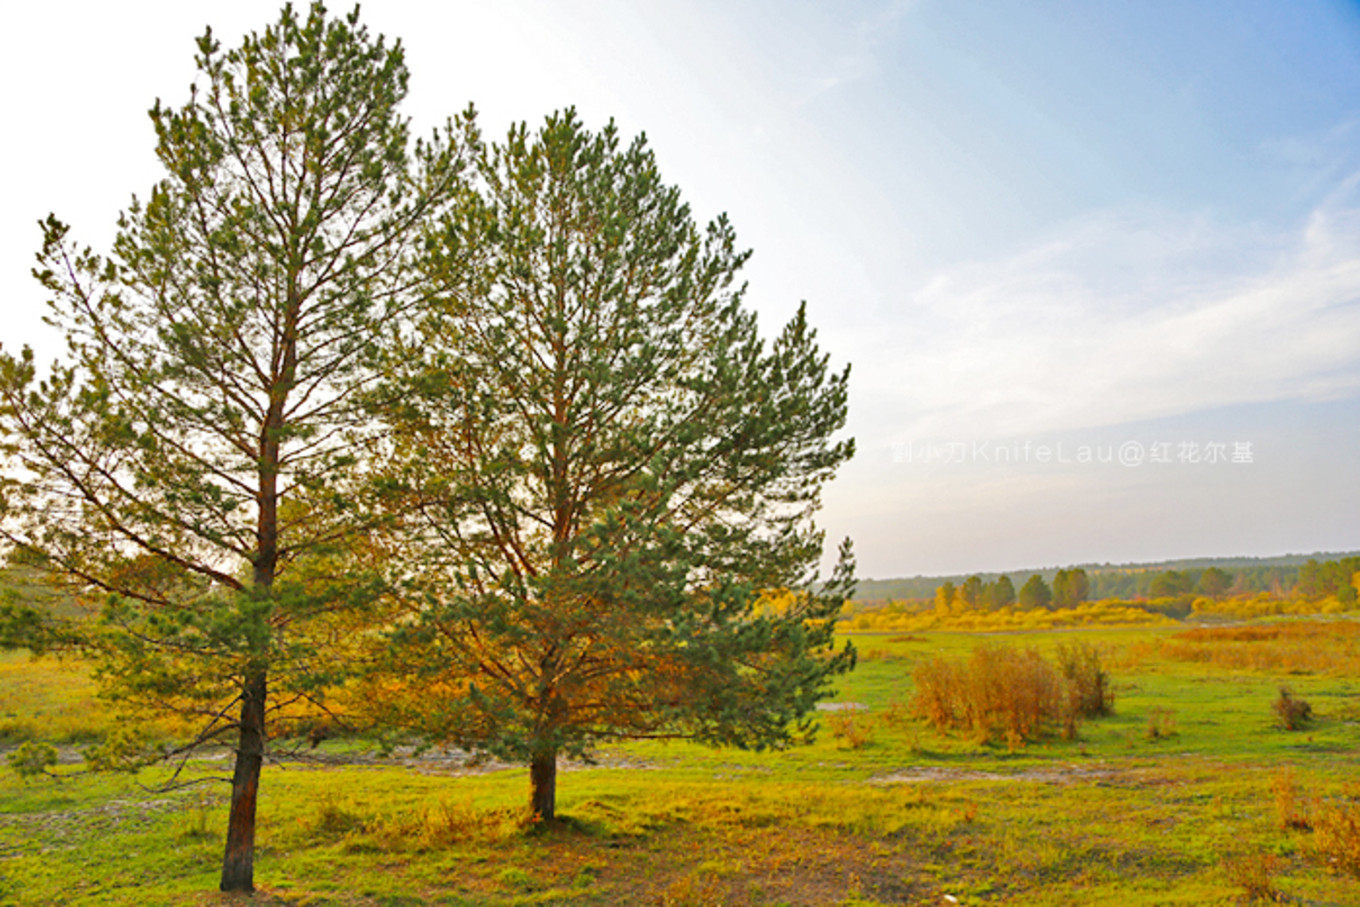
1290 805
849 731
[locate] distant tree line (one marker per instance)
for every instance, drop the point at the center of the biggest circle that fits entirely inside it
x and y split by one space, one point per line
1070 587
1311 580
1250 575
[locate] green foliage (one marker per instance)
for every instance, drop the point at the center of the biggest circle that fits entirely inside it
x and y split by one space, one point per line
124 749
1214 582
1070 588
1276 576
1170 583
1000 594
971 592
22 627
31 759
607 477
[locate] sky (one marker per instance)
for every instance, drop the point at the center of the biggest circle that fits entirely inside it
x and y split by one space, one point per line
1095 266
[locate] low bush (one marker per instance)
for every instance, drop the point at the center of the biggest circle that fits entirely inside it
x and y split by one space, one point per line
1293 713
1161 723
32 759
1089 691
1255 875
850 731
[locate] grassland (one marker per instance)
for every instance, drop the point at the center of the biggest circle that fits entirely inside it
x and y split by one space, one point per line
1190 793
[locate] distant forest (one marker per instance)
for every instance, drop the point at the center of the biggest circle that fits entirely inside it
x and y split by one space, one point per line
1280 575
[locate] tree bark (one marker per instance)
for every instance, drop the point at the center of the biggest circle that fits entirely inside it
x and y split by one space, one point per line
238 865
543 785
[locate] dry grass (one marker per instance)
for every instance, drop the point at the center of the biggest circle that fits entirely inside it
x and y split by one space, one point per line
1336 838
1313 646
49 699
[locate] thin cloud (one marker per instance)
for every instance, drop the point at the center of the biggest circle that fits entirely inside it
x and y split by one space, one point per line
1130 317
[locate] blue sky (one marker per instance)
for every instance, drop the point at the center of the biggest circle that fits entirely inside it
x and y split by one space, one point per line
1112 226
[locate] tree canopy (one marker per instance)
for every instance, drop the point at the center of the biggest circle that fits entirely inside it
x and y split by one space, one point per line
608 474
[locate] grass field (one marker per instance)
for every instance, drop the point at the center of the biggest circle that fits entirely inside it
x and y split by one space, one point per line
1190 793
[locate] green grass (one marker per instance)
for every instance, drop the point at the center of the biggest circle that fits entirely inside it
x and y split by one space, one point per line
1119 816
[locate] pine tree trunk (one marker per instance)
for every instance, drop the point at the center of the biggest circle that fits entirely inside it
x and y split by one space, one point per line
543 785
238 865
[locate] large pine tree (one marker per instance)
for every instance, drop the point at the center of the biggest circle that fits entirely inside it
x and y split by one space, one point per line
194 459
608 476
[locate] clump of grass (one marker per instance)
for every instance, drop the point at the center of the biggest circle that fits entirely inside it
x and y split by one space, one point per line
1294 714
195 823
1255 875
1012 694
514 877
1161 723
442 825
335 818
1336 838
436 826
